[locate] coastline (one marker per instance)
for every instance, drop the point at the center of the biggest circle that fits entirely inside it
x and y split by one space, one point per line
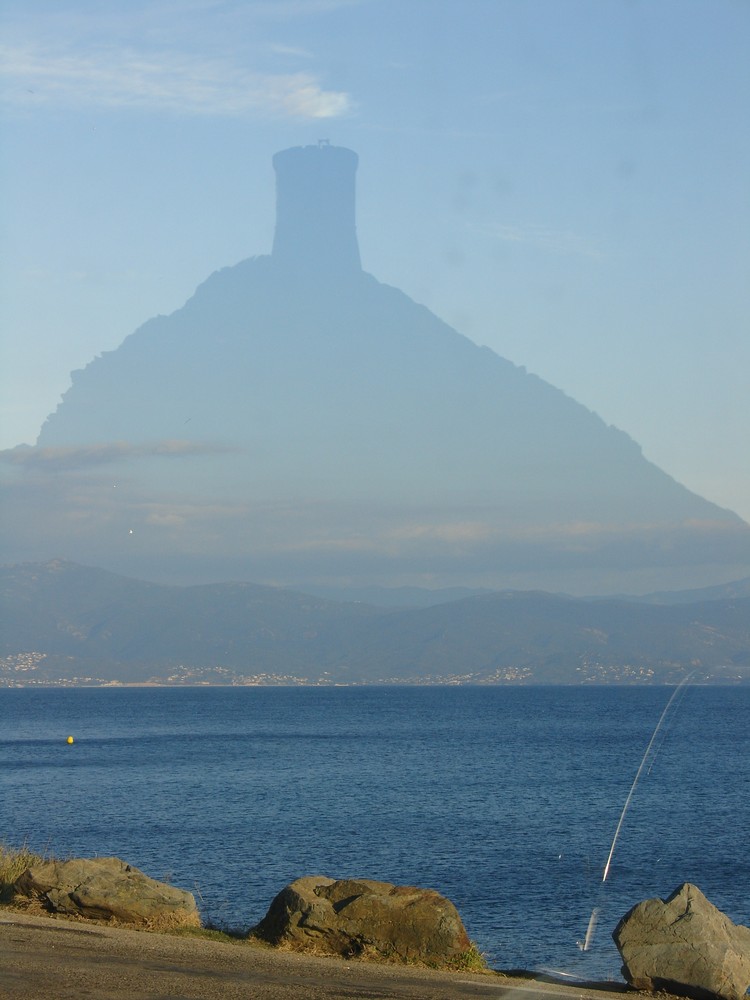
43 956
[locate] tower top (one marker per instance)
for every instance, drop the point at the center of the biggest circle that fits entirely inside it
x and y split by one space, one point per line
315 209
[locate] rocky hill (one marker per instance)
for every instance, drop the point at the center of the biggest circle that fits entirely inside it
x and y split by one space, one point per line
298 421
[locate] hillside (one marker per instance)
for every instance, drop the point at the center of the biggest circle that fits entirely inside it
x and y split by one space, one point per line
61 622
299 421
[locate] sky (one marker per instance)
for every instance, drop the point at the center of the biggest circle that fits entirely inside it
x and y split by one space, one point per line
564 181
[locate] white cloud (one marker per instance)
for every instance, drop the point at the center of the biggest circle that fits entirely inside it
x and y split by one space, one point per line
161 81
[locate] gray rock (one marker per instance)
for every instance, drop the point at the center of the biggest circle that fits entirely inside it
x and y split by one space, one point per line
106 889
686 946
368 919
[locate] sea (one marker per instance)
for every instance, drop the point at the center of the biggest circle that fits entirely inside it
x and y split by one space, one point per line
509 800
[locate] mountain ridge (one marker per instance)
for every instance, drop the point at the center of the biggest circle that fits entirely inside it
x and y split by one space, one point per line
62 621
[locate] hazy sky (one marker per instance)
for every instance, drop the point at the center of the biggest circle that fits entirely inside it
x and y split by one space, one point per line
565 181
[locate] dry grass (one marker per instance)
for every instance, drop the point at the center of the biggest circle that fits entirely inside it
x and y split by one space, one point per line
164 923
13 862
472 960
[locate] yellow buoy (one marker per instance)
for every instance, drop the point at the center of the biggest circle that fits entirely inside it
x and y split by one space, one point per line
70 739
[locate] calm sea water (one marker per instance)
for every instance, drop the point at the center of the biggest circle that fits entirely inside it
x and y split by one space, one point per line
504 799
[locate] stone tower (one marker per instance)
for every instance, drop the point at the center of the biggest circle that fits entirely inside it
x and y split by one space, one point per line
315 214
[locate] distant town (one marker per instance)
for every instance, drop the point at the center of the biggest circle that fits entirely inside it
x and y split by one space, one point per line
22 670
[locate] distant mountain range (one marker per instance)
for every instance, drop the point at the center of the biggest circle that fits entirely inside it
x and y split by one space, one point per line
423 597
70 624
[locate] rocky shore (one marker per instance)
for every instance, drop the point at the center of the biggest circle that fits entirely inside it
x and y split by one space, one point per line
100 927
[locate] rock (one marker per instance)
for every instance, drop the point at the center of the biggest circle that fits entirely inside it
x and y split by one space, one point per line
686 946
106 889
368 919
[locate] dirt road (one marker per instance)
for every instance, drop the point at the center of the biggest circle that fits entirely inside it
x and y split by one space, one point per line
42 958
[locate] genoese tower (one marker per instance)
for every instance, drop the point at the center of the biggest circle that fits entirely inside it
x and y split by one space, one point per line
315 209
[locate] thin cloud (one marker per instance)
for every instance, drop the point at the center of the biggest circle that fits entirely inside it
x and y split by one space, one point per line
498 97
162 81
289 10
559 241
68 459
461 532
225 25
295 52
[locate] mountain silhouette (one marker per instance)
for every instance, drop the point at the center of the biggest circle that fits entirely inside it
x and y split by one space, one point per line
298 421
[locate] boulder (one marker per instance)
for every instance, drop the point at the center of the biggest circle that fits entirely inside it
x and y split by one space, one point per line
368 919
684 945
107 889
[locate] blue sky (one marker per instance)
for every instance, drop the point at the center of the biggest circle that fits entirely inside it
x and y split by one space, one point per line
565 181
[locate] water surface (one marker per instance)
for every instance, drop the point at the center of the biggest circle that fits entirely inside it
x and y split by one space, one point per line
506 799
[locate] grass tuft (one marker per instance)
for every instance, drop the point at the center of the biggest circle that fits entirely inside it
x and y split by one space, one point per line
471 960
13 863
212 934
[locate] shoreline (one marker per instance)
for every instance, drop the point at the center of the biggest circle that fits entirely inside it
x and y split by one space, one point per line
43 956
63 685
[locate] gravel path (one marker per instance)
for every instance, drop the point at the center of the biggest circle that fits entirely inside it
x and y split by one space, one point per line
44 957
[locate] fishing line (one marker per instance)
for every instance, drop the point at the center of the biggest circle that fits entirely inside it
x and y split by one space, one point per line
678 696
637 778
586 943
